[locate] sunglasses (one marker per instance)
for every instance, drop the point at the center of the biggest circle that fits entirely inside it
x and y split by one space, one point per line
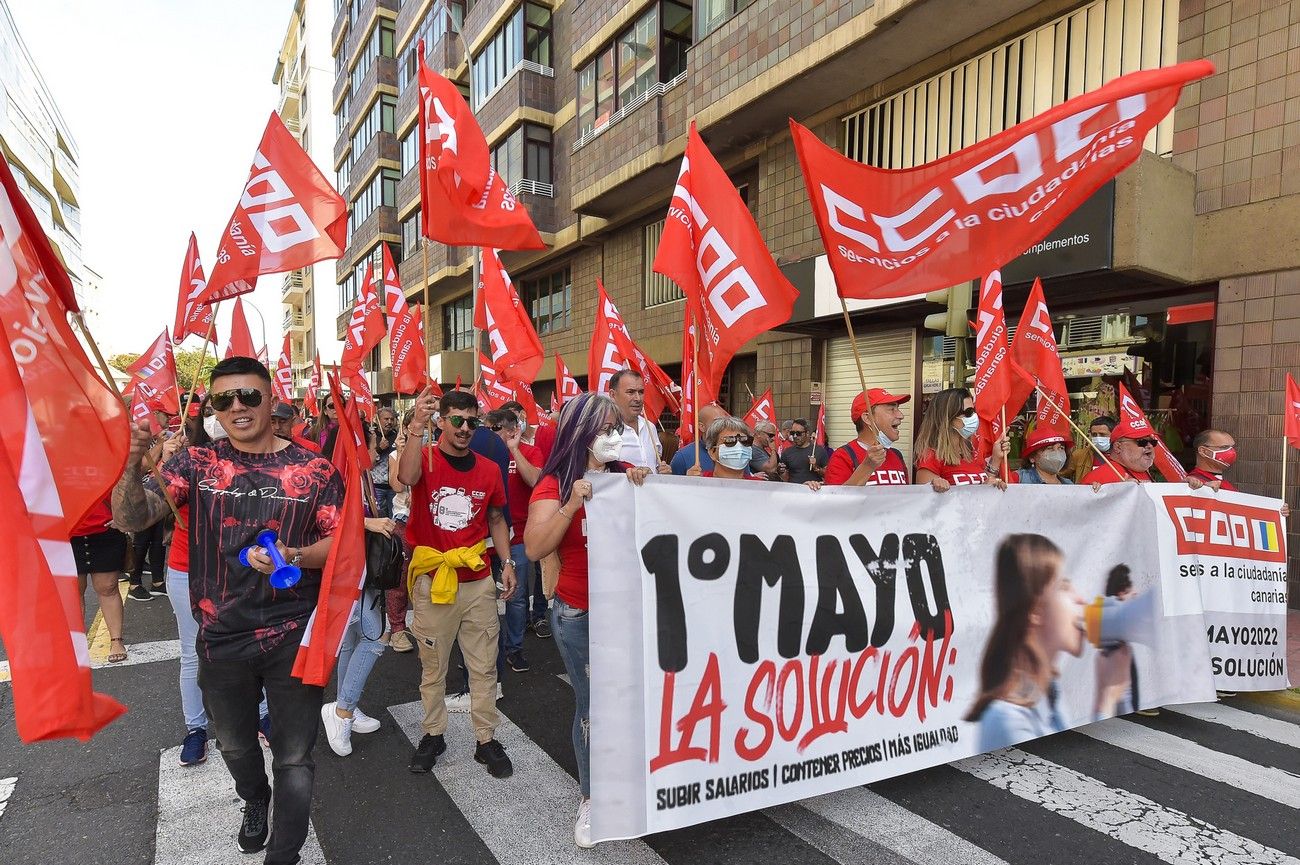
732 441
611 427
795 433
966 412
459 421
1145 443
249 397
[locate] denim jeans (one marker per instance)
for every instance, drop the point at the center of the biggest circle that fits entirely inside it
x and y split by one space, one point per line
384 499
512 635
570 627
187 628
231 691
360 648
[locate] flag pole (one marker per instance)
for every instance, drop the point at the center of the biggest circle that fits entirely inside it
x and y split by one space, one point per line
1284 450
1074 426
428 365
1006 470
203 355
695 393
112 383
857 359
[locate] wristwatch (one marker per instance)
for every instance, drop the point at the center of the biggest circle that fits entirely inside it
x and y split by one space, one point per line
297 556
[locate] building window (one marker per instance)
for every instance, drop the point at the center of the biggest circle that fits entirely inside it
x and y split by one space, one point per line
713 13
382 117
410 149
458 324
548 300
381 191
341 119
411 234
435 27
659 289
651 51
380 43
509 46
525 154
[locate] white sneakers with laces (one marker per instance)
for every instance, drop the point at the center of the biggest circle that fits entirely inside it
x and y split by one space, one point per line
363 723
337 730
582 828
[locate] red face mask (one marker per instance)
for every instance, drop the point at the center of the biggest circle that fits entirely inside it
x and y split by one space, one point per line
1226 456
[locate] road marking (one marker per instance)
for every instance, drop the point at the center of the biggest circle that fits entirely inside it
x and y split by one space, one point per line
199 813
136 653
873 817
1135 820
1282 732
97 633
538 788
1276 784
6 790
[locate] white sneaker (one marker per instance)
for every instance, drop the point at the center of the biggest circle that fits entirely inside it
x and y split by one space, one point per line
337 730
363 723
458 702
501 692
582 828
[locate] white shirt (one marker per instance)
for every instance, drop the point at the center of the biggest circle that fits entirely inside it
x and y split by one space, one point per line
641 446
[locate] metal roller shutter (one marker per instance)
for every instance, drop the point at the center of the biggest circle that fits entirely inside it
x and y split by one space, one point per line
889 361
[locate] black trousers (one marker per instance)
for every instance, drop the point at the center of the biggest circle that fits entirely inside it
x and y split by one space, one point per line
231 693
149 544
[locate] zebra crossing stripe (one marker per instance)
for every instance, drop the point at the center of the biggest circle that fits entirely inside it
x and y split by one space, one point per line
136 653
6 790
1283 732
199 813
872 817
1276 784
1137 821
547 793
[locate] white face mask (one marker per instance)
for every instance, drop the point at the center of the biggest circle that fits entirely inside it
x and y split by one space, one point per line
1102 443
969 426
213 428
885 441
607 447
1051 462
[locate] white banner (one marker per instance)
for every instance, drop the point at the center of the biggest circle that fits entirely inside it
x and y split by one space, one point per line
1234 546
761 643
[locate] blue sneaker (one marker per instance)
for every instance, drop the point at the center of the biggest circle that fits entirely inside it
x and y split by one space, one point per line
194 750
264 730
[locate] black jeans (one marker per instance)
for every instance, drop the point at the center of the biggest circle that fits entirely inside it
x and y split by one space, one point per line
231 692
149 544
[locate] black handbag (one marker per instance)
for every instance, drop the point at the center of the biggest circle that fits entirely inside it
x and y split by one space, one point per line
384 557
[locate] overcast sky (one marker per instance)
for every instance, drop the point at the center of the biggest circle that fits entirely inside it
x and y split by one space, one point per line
167 100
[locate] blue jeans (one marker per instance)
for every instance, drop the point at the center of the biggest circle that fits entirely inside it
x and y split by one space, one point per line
570 627
512 635
187 628
384 499
360 648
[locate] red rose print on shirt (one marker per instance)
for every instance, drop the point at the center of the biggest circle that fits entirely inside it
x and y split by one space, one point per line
297 481
221 473
327 519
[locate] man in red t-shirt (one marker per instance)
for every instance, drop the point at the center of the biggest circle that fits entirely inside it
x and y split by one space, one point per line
1216 451
457 500
525 466
871 459
1132 452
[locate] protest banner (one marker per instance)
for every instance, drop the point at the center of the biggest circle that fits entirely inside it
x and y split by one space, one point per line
740 664
1234 546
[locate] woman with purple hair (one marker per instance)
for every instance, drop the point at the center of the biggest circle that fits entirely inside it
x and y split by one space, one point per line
589 439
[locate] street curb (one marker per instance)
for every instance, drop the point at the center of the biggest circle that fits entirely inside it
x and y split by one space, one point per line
1288 699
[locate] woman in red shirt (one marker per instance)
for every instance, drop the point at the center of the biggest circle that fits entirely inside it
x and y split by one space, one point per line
947 457
588 439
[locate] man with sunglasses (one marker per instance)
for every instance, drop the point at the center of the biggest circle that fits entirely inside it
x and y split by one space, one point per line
1132 453
802 460
458 499
249 632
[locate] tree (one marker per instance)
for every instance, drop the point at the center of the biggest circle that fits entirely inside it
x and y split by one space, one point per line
187 362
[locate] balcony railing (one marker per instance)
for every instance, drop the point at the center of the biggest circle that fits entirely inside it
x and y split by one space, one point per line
532 187
294 321
640 99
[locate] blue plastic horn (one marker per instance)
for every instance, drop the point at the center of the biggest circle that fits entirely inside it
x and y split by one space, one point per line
285 575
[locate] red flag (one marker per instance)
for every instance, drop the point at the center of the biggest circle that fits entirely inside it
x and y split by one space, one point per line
690 383
1037 361
555 402
344 573
1291 412
365 327
241 339
288 216
311 399
819 438
524 396
493 392
394 297
713 250
282 381
1132 414
993 364
463 201
517 352
612 349
905 232
192 317
362 396
566 386
408 355
63 443
763 409
153 384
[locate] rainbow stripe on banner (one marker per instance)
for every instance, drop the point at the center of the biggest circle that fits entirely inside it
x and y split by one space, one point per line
1265 532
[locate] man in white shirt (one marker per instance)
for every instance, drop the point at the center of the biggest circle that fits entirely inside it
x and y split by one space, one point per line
641 445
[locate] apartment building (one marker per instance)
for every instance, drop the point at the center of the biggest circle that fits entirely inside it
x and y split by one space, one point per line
304 71
40 149
1182 275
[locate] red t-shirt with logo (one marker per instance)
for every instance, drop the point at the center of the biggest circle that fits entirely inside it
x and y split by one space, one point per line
1210 477
520 492
449 504
572 585
1104 474
892 472
544 440
960 475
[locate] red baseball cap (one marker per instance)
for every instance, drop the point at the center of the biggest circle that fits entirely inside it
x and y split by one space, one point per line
1044 437
879 396
1130 428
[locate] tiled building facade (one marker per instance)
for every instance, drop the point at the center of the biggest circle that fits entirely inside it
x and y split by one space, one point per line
1192 283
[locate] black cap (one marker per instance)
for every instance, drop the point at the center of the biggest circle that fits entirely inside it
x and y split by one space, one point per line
283 411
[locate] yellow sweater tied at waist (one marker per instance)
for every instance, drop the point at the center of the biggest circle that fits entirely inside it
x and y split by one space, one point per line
442 567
